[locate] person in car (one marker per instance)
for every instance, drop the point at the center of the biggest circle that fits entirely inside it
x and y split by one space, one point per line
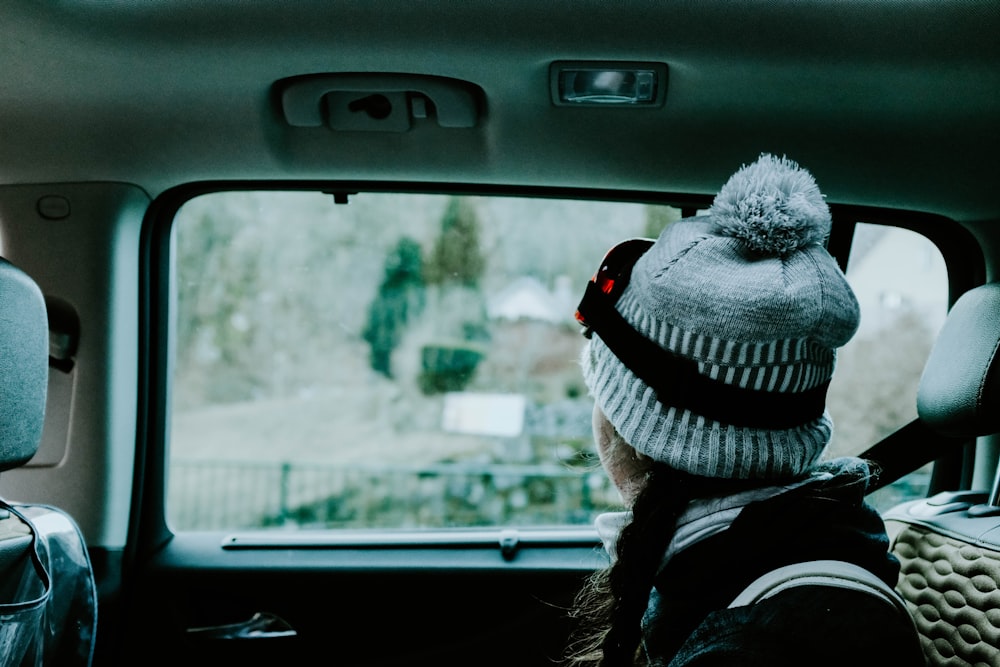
709 357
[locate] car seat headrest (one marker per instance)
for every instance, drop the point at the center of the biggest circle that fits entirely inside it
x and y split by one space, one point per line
959 393
24 370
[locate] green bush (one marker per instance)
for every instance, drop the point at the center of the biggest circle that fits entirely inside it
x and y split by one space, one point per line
447 367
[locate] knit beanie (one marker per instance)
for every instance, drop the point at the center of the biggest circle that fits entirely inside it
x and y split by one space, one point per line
748 297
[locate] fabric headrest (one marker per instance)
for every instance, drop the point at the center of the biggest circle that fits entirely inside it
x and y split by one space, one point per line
959 392
24 370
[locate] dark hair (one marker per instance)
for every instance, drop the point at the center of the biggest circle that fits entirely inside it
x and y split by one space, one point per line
608 609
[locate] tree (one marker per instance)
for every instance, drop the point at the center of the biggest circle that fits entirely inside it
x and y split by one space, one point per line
454 269
456 257
658 217
399 299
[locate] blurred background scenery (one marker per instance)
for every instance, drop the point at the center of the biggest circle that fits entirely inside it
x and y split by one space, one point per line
410 361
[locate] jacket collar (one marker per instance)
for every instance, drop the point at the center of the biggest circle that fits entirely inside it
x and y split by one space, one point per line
703 518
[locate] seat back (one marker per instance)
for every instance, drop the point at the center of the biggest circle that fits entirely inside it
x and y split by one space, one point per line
48 603
24 375
949 545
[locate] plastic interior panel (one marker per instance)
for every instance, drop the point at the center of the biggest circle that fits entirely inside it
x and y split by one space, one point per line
97 275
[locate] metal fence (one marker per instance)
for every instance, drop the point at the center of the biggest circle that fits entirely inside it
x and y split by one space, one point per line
216 495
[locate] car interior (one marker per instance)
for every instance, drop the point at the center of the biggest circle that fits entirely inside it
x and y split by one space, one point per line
288 364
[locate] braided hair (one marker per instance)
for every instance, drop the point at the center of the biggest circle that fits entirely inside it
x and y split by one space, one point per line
609 608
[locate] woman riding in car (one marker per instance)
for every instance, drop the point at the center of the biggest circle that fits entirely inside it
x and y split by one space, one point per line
710 353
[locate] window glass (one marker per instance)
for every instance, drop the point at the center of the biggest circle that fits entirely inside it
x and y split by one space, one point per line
411 361
901 282
399 361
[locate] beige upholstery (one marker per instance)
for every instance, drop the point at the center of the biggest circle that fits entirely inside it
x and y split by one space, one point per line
951 586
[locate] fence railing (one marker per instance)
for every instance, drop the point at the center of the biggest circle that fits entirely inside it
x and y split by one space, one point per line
220 495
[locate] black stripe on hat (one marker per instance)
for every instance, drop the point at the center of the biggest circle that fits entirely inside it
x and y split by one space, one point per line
677 382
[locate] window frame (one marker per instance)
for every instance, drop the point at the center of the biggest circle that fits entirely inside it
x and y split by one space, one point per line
966 267
148 524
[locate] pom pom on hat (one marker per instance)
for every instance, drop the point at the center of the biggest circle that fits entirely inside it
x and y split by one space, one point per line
774 206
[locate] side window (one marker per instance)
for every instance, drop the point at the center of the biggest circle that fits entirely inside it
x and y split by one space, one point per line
901 281
402 361
411 361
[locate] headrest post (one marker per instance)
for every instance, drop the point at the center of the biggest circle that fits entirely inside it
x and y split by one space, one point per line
994 497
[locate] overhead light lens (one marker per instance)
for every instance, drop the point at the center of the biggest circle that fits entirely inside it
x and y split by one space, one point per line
585 85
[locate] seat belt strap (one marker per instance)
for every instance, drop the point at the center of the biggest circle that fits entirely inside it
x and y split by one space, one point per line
907 449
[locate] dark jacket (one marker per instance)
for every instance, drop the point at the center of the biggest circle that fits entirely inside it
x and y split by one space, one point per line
688 622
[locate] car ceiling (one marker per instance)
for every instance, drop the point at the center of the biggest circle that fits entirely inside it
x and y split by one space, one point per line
889 103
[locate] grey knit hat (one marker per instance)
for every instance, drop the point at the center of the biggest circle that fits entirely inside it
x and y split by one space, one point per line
750 308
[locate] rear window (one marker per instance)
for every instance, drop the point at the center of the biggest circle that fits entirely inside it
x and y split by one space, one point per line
411 361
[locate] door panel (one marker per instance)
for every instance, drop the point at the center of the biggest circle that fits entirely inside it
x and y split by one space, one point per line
354 606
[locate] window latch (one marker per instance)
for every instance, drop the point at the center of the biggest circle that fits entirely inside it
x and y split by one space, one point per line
509 541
